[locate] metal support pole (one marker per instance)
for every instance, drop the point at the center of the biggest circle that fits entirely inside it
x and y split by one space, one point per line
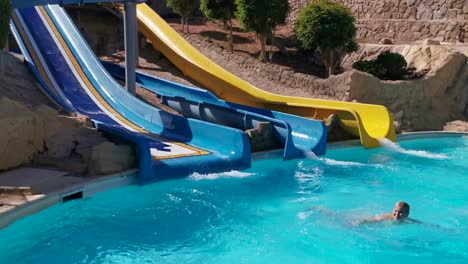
131 46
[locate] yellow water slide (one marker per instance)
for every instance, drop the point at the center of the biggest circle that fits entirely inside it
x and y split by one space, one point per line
369 122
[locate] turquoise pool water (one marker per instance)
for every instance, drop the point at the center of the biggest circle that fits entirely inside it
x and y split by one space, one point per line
262 215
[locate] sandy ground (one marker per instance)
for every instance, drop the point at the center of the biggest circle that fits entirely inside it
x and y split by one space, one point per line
285 48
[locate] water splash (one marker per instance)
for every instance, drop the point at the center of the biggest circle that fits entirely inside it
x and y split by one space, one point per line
213 176
388 144
332 162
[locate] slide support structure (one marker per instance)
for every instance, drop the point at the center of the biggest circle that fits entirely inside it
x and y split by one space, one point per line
131 45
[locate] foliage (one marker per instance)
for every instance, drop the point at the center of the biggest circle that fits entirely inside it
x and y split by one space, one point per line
220 10
185 8
364 66
262 17
328 27
5 11
387 66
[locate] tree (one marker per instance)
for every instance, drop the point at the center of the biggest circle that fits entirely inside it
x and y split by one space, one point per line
328 27
262 17
223 10
185 8
5 12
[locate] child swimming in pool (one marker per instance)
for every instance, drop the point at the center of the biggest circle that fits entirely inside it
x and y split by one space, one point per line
400 213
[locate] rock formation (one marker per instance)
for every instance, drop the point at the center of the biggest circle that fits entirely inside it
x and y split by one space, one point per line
107 158
421 104
31 131
457 126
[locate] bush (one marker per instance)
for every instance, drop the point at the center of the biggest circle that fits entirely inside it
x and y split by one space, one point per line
5 11
364 66
387 66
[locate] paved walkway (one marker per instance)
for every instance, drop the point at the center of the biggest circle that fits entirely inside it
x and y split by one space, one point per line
23 185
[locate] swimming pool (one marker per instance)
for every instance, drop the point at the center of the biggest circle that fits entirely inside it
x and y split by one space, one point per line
262 215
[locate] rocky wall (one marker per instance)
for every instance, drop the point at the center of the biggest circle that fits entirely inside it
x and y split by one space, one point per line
403 20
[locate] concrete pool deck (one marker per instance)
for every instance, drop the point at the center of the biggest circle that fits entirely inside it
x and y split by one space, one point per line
25 191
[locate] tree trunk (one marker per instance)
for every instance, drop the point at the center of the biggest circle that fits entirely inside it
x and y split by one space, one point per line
2 56
328 60
2 63
6 48
182 22
325 58
270 52
231 37
187 25
262 38
331 63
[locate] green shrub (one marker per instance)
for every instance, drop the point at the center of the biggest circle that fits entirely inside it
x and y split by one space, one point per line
328 27
387 66
364 66
392 65
5 11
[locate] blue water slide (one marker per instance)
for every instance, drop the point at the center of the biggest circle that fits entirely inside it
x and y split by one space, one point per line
298 134
167 145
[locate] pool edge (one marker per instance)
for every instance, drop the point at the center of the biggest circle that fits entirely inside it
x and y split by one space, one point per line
86 189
